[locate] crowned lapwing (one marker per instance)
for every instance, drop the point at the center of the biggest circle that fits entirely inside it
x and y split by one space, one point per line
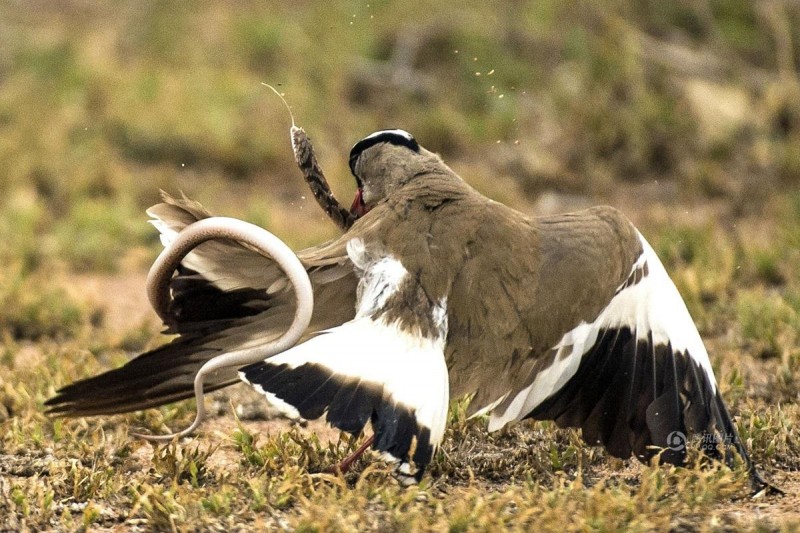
437 293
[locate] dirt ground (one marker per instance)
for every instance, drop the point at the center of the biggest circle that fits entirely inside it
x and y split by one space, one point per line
123 303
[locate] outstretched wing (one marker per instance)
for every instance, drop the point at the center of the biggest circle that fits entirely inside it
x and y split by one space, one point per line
225 297
637 379
372 368
223 279
598 338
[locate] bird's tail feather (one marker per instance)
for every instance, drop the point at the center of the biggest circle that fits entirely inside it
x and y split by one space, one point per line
158 377
219 304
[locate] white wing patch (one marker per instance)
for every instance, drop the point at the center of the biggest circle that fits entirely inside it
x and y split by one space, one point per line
289 411
655 305
381 277
411 369
651 305
165 233
404 372
569 351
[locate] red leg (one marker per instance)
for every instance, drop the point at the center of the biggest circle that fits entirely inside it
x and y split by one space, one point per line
348 461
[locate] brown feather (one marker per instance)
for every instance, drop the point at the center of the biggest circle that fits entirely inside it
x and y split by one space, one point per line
261 311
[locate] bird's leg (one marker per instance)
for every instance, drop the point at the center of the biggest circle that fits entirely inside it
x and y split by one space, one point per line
348 461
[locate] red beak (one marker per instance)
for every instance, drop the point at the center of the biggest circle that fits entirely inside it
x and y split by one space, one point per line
358 208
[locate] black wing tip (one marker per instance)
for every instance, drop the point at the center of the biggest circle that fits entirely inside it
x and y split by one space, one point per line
759 487
191 293
60 407
350 403
150 380
80 405
637 397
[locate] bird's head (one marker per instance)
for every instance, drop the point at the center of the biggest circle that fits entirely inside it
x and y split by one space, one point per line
385 161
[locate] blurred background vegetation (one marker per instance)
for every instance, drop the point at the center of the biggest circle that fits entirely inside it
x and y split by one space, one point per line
684 114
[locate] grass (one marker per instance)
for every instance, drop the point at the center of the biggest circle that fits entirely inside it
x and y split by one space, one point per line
685 116
72 474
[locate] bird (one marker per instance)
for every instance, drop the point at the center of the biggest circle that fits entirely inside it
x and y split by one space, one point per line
437 293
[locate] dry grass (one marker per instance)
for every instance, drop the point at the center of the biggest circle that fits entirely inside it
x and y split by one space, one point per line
68 474
684 115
